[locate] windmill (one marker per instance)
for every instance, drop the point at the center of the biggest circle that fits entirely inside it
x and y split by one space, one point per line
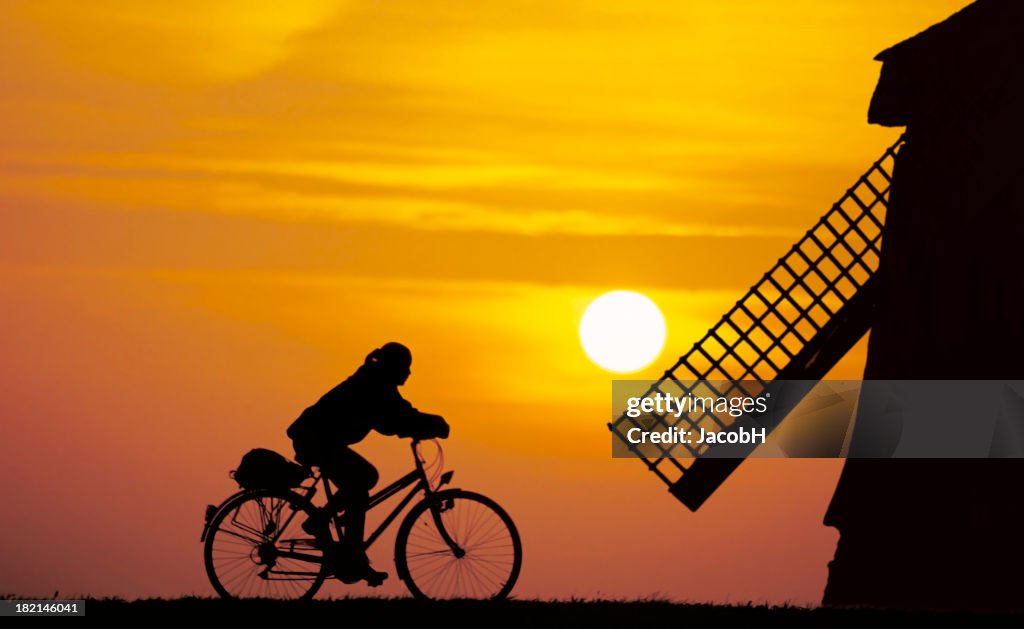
794 324
958 89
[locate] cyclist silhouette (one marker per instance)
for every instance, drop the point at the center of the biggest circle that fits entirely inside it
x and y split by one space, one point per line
367 400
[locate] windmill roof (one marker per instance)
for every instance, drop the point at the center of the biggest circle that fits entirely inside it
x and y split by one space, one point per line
976 22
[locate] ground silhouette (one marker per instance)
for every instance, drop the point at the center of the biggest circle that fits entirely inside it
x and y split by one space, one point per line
532 613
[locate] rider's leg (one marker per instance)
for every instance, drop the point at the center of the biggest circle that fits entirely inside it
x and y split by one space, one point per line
356 501
354 476
313 454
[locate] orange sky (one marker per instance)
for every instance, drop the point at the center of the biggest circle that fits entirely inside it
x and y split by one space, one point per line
209 215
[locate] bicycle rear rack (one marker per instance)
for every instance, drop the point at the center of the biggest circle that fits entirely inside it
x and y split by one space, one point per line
795 323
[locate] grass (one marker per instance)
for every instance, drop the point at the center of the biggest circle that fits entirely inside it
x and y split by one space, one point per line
526 613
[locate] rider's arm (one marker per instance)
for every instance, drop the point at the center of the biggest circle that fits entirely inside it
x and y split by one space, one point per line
396 416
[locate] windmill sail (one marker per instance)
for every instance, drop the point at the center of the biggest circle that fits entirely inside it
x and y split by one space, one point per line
795 323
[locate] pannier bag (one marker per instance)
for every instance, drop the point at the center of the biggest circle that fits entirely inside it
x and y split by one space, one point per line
265 469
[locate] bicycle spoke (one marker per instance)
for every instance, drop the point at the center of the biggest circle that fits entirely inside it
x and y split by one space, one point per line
248 550
491 551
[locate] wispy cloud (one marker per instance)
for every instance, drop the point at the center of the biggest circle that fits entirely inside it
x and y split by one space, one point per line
735 120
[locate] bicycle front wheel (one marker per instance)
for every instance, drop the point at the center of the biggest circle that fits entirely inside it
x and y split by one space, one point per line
256 548
483 564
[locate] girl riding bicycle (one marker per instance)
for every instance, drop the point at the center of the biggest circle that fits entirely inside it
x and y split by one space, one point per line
367 400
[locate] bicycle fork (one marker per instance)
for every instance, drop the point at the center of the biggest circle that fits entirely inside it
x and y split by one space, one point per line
435 511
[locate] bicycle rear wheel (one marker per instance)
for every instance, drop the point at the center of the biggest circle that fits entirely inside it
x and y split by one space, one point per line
488 559
256 548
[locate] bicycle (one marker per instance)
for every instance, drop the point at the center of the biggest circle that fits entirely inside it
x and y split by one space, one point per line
452 543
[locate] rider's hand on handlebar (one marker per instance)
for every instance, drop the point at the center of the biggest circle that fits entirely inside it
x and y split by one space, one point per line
443 429
427 426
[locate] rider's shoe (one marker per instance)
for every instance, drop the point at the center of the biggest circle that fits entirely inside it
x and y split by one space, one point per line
317 526
349 575
351 566
346 574
338 563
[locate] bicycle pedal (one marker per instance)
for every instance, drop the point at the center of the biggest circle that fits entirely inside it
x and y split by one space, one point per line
377 580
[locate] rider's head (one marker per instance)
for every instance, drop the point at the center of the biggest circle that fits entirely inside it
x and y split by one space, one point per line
393 361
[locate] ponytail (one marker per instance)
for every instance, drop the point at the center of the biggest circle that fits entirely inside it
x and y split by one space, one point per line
389 353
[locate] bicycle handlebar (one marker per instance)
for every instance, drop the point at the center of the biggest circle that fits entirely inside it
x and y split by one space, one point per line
421 463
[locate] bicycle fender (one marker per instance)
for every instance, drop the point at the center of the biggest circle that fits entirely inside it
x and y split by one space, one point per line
212 511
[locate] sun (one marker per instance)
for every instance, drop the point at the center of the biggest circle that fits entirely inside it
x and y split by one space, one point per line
622 331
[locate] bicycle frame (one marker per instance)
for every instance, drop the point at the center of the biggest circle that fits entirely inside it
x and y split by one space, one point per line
416 478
